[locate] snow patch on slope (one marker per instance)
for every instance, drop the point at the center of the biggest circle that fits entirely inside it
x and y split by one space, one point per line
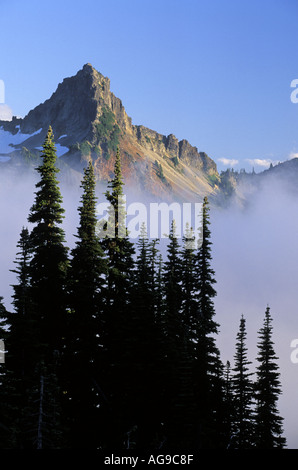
8 140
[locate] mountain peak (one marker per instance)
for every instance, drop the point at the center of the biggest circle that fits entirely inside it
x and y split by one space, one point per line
89 121
88 68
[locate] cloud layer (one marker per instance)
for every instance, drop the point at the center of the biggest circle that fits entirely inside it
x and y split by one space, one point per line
5 112
228 161
255 257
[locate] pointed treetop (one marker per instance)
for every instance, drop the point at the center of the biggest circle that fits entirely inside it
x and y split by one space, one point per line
48 199
49 142
50 134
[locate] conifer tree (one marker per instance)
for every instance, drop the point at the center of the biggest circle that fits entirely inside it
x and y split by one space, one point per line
157 268
49 262
172 287
160 397
43 424
242 428
7 432
206 324
178 389
154 272
20 344
144 345
171 318
119 248
86 301
228 406
189 287
207 355
33 409
118 327
48 268
268 389
21 297
4 324
21 335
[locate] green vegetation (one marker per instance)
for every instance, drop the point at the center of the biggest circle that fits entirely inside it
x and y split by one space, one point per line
268 388
86 148
175 160
86 274
97 151
213 180
242 387
159 171
107 132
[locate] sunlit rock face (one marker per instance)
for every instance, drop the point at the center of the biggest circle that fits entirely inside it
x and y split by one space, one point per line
89 121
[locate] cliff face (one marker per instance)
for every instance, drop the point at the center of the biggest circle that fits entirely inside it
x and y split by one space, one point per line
89 121
170 147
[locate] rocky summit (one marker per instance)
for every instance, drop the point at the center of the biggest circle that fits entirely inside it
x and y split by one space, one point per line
89 121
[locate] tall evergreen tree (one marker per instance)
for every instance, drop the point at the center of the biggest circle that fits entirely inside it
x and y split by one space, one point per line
268 389
206 325
21 334
49 262
48 268
243 393
118 323
144 345
20 344
86 301
171 318
207 354
172 287
119 248
159 399
21 297
178 390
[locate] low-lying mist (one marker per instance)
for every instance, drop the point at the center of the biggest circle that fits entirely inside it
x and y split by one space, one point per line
255 258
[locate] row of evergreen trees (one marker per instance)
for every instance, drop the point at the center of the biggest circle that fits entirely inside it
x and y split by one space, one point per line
111 346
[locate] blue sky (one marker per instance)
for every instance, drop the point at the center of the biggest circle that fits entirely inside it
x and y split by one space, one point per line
215 72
